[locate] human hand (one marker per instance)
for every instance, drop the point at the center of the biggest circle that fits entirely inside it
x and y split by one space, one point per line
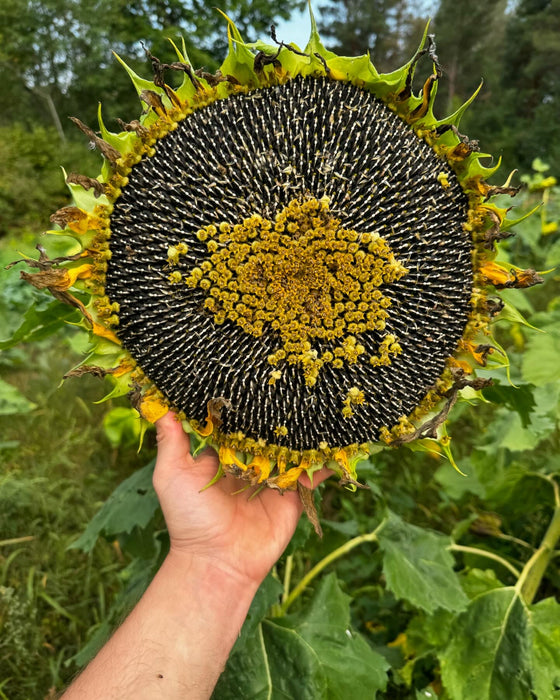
238 531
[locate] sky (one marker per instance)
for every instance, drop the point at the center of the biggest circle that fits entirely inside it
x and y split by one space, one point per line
296 29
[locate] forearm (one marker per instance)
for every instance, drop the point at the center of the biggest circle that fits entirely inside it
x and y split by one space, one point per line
176 641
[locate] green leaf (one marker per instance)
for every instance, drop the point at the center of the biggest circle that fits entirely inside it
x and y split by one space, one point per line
475 582
546 648
13 401
455 484
312 655
518 492
268 594
508 431
488 657
418 566
519 399
122 426
39 324
132 504
553 255
514 436
540 360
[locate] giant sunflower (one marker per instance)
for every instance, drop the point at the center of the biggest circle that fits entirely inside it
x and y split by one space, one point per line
293 253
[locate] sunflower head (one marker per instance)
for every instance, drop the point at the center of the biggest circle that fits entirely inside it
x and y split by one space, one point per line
294 254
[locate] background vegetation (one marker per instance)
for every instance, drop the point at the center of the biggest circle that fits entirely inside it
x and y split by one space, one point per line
436 585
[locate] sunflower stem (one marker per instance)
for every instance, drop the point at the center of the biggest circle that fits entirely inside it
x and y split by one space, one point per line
333 556
287 577
488 555
534 570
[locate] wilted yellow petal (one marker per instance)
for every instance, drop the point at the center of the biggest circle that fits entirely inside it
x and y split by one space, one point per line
288 480
152 408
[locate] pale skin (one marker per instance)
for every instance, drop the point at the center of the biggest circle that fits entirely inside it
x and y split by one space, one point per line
176 641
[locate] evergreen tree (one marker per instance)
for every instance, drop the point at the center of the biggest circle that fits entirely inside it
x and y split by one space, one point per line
531 83
470 40
388 29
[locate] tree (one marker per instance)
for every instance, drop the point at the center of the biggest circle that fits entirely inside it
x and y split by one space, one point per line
470 39
388 29
531 82
56 54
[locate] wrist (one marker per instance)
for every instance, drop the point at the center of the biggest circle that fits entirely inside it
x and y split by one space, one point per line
214 574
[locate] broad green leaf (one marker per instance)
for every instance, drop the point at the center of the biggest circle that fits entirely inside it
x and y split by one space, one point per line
418 566
546 648
508 431
132 504
122 425
519 399
311 655
456 485
268 594
489 655
39 324
347 659
518 492
553 255
540 360
547 398
515 437
475 582
12 401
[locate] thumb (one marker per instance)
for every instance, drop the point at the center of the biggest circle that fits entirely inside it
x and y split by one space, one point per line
173 443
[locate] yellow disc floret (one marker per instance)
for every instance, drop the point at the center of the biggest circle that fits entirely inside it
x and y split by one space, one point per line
304 276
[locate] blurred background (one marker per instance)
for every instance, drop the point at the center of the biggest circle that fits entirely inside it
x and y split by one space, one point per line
62 454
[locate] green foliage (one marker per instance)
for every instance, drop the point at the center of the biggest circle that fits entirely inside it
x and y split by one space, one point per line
309 655
56 468
489 654
122 426
503 648
546 648
12 401
31 181
418 566
540 359
56 55
132 505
